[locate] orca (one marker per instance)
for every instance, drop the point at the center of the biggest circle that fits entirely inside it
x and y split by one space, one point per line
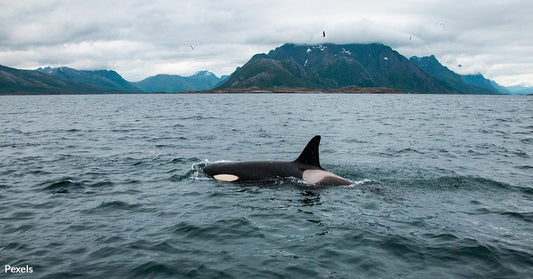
306 167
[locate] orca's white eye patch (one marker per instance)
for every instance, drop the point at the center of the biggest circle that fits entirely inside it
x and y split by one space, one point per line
226 177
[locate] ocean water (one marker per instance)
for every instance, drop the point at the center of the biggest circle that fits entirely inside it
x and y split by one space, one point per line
110 186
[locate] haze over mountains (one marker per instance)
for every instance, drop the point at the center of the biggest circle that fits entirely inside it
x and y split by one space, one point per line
173 83
291 68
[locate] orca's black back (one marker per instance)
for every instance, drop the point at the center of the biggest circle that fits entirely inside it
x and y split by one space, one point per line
261 170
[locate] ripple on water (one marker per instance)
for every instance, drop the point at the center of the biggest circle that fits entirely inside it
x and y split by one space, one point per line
62 185
111 187
219 230
522 216
113 206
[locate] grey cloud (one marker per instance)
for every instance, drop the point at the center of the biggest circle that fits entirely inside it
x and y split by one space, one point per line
141 38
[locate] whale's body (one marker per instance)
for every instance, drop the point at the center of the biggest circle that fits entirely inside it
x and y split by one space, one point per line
306 167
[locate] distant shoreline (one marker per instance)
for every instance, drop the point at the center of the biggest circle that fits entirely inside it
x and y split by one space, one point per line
253 92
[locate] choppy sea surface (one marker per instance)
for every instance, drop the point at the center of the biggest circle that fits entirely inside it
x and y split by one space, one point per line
110 186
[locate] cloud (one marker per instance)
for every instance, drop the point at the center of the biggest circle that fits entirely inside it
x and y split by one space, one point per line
143 38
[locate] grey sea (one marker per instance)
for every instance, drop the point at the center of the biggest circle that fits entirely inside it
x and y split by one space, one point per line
110 186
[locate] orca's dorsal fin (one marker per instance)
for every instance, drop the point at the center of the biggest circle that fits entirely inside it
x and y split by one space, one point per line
310 153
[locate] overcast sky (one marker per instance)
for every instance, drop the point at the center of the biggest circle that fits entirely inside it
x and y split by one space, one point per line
143 38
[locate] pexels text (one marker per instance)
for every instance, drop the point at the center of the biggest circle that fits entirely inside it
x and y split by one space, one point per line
18 269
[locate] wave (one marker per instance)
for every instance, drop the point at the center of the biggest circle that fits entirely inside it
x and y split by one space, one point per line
525 167
151 269
218 231
470 182
100 184
185 160
446 250
65 185
113 205
421 179
194 173
62 185
522 216
182 269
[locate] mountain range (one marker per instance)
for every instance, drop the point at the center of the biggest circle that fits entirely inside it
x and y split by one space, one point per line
35 82
350 68
520 90
65 80
173 83
98 78
328 67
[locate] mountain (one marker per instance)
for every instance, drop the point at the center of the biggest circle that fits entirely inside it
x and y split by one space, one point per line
173 83
480 81
330 67
520 89
263 73
98 78
15 81
433 67
452 81
350 68
65 80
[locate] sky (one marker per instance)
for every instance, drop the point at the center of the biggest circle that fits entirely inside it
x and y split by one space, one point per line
139 39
